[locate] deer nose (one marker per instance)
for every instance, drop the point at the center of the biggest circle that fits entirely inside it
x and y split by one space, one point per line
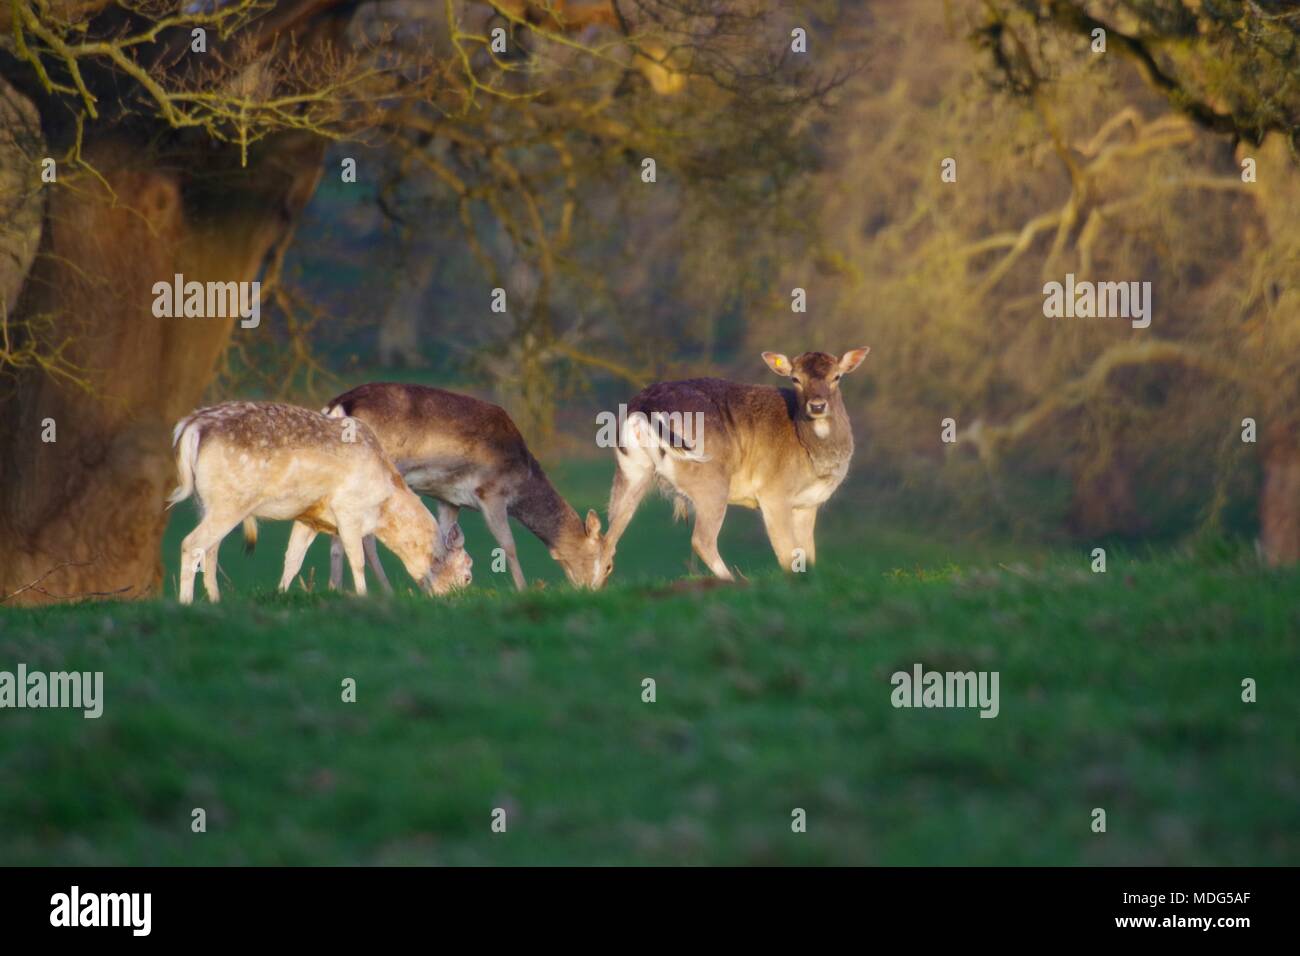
816 408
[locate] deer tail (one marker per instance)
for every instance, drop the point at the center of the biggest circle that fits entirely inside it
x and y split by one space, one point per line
185 440
655 433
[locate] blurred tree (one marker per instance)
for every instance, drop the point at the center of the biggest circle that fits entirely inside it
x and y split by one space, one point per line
1066 161
1229 65
536 156
1232 68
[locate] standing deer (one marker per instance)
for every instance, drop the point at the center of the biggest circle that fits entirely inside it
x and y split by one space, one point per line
245 460
467 453
781 450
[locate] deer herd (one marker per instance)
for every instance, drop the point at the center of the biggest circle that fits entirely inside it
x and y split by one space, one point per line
356 470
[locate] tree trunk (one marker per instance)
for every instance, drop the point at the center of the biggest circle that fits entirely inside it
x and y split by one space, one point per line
399 329
83 515
22 145
1103 503
1279 498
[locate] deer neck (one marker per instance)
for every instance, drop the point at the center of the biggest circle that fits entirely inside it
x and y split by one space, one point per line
828 441
408 530
540 509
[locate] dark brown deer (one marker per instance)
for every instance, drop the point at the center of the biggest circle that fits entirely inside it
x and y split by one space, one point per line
783 451
467 453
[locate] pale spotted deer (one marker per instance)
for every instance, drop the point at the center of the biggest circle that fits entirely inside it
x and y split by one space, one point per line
783 451
245 460
467 453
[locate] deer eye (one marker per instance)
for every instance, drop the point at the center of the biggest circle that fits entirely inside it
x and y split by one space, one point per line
838 377
795 379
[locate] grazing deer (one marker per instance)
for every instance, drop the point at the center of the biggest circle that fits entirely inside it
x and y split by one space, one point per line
245 460
467 453
783 451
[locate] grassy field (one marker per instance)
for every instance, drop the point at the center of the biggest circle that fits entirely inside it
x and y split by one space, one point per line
1119 690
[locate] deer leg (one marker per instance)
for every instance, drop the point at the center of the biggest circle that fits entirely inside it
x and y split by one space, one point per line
448 515
778 518
710 510
498 522
186 594
805 521
300 539
194 551
210 573
336 564
355 551
191 561
372 559
632 479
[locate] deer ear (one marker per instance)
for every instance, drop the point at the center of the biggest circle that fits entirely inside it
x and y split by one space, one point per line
777 363
852 359
454 538
593 523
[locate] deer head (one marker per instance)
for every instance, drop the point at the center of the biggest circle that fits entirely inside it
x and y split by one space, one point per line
582 554
452 569
816 378
439 564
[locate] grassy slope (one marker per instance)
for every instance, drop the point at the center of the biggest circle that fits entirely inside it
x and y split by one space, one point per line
1118 690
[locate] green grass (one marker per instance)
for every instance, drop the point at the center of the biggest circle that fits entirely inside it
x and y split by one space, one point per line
1118 690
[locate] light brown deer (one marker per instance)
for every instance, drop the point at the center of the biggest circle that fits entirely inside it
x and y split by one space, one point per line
467 453
245 460
783 451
